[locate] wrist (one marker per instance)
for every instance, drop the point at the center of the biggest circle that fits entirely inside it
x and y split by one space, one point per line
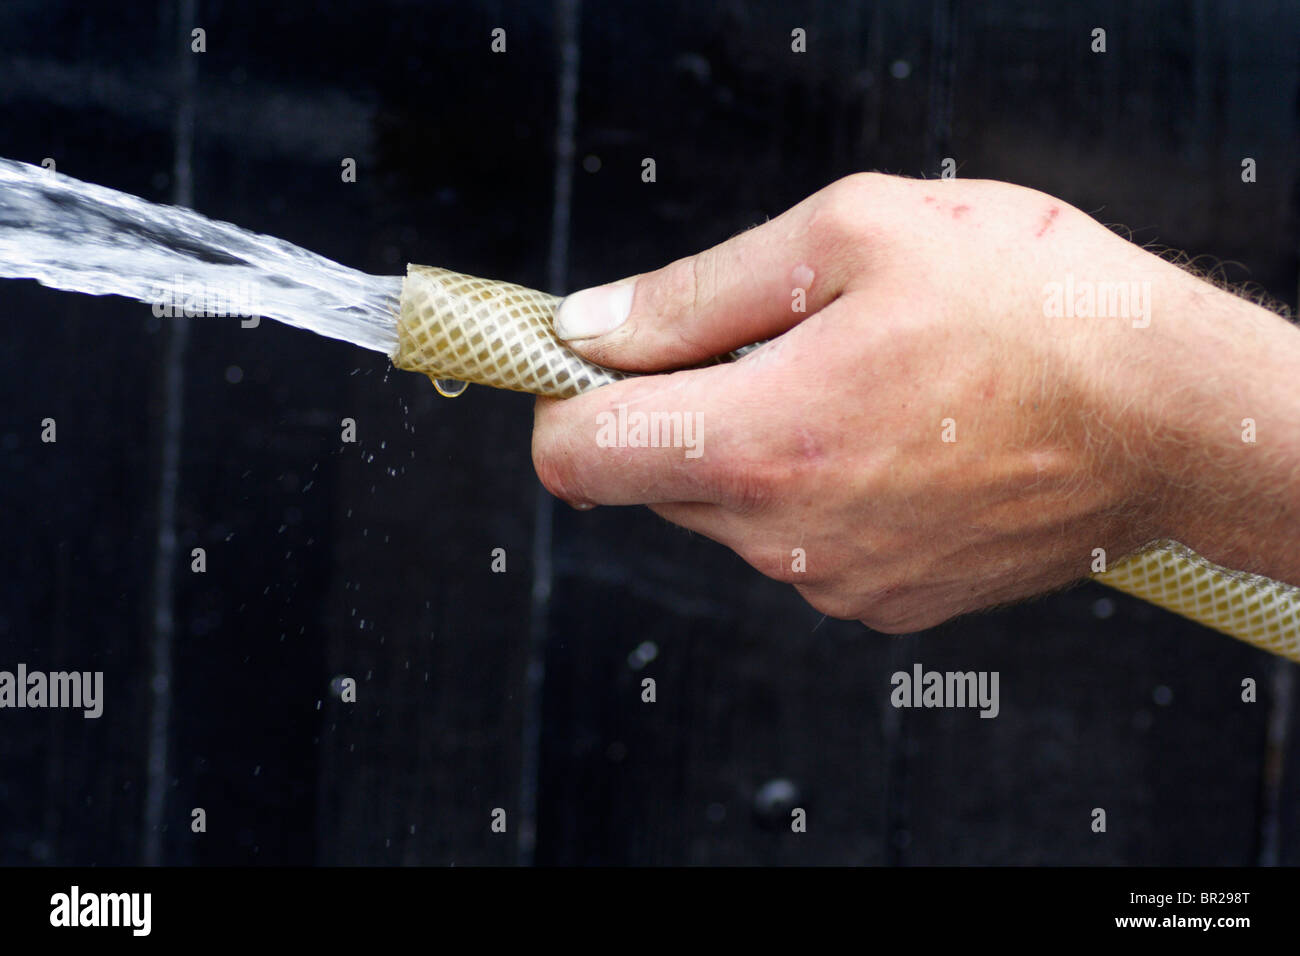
1227 434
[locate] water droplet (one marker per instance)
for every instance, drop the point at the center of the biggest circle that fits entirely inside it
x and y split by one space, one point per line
449 387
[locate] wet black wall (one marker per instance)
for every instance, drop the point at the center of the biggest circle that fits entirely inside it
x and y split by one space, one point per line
521 690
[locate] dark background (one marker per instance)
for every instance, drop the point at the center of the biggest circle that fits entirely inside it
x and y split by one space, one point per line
522 690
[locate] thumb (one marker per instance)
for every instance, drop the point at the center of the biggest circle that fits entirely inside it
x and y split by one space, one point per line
747 289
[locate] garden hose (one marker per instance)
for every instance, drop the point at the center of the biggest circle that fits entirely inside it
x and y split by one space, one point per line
454 326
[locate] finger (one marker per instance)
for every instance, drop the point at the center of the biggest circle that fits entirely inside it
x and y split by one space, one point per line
654 439
752 287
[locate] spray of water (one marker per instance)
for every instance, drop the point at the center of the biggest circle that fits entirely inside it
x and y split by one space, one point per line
77 236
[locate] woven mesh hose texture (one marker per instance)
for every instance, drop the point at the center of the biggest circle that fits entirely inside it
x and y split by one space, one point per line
1255 609
454 326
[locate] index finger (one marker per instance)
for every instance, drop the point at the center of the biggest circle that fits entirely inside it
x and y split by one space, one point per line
648 440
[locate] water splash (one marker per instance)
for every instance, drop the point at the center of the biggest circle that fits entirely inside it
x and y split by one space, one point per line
80 237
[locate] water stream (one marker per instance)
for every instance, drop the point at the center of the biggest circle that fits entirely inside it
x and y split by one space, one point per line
77 236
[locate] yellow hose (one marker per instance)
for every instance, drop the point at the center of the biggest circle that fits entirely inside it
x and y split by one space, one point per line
1251 607
454 326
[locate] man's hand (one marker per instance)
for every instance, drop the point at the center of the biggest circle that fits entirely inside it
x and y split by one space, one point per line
983 386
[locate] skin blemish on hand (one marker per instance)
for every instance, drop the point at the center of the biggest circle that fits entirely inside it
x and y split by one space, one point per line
1047 221
956 211
809 448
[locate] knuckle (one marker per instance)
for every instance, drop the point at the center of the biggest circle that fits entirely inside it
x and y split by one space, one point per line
839 606
835 223
859 190
682 289
779 479
779 567
704 280
849 208
895 617
861 182
554 468
836 603
742 488
885 623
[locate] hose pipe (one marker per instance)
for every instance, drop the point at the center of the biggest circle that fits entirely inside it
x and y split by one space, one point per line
454 326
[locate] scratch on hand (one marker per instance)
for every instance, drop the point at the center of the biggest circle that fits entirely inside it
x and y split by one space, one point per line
1047 221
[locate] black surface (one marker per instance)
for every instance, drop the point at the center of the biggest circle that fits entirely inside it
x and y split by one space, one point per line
373 559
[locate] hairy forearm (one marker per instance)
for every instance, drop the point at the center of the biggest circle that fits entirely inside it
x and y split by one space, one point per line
1232 436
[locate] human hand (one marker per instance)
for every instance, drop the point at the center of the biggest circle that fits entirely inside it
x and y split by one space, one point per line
950 424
